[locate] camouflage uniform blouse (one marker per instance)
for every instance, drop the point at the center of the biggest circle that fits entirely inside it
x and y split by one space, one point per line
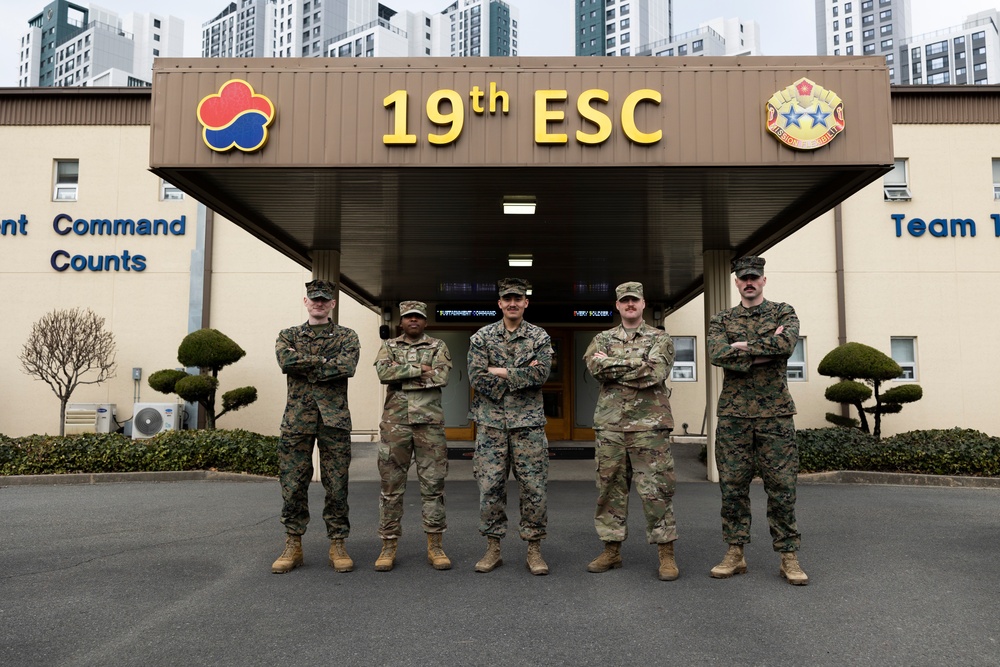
750 390
516 401
317 366
411 399
633 395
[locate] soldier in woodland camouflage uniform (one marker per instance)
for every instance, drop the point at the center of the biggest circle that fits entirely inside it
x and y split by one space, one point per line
633 422
415 367
509 361
318 357
752 343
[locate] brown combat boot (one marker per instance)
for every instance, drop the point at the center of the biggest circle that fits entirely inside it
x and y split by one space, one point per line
668 567
791 570
491 560
733 563
291 557
339 560
387 559
610 558
535 561
435 554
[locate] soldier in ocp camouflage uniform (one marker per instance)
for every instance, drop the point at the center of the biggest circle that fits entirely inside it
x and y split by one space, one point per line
633 423
317 357
752 343
509 361
415 367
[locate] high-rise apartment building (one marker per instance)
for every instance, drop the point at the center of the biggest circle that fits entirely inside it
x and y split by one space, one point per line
57 23
621 27
965 54
241 30
718 37
862 27
72 45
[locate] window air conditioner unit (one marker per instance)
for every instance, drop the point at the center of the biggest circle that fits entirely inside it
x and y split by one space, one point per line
90 418
149 419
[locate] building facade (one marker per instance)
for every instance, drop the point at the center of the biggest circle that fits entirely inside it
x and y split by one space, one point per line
718 37
863 27
621 27
965 54
71 45
910 276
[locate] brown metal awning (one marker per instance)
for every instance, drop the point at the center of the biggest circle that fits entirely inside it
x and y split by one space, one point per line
425 221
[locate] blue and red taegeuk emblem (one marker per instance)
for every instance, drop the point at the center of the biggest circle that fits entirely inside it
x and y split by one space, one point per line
235 117
805 115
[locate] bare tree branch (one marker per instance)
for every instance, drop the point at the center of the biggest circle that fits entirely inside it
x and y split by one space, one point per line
67 348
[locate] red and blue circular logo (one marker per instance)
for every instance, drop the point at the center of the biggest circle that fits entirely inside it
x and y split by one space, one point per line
235 117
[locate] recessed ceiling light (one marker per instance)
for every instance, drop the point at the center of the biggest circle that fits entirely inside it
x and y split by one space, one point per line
518 205
519 260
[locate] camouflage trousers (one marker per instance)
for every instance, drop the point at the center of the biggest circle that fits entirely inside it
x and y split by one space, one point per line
765 446
644 455
498 451
427 446
296 471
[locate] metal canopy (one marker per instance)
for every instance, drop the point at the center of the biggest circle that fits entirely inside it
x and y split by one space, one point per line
440 233
425 221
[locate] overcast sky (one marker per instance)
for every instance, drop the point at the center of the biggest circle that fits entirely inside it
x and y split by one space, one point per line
787 27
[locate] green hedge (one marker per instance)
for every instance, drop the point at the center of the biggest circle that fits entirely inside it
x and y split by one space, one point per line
934 452
231 451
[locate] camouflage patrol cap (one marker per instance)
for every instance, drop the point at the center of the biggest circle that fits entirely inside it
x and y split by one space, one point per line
413 308
320 289
629 289
513 286
750 265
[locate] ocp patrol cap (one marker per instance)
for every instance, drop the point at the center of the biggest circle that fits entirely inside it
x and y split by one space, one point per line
413 308
629 289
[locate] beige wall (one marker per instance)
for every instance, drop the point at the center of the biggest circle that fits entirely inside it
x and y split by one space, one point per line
941 290
256 291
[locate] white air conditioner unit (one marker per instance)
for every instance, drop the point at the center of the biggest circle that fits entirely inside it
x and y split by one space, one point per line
148 419
90 418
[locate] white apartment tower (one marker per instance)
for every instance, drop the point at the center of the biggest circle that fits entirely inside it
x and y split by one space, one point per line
863 27
965 54
621 27
466 28
241 30
718 37
73 45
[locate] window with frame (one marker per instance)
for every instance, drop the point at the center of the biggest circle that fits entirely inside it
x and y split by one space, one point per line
67 177
796 368
685 367
170 192
895 184
996 178
868 19
903 350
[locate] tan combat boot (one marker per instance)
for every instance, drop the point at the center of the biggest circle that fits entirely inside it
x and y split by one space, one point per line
535 561
668 567
387 559
291 557
491 560
610 558
435 554
339 560
733 563
791 570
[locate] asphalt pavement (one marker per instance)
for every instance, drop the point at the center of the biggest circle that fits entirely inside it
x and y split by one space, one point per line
178 573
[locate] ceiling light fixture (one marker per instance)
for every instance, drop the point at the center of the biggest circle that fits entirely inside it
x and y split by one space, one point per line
519 260
518 205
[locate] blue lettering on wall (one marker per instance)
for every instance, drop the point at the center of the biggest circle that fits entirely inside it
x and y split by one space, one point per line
14 227
939 227
64 224
62 260
996 224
